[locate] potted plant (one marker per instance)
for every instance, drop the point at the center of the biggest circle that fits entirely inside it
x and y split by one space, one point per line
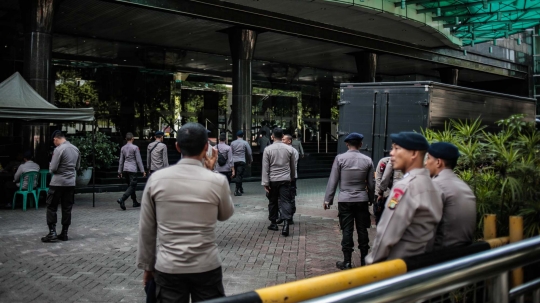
105 153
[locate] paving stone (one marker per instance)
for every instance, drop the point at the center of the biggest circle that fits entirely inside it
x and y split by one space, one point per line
97 264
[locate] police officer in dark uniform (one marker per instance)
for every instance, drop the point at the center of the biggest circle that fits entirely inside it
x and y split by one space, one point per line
354 172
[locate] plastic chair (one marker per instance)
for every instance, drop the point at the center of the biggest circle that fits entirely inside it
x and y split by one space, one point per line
32 175
43 181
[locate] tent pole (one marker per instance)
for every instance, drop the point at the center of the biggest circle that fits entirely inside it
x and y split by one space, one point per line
94 163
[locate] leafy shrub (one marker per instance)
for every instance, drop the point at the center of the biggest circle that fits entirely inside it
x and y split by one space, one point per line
503 168
105 151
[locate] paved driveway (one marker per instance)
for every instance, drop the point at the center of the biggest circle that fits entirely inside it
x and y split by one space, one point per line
97 264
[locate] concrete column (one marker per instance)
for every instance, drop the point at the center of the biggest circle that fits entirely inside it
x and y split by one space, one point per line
326 99
38 21
366 66
449 75
242 44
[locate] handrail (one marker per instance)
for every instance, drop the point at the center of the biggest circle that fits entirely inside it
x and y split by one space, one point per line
525 288
439 279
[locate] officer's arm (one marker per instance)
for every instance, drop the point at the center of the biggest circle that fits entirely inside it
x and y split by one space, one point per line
230 158
148 158
249 153
226 206
121 162
332 182
387 177
18 174
78 165
301 149
292 165
55 161
139 160
371 183
146 253
165 156
265 180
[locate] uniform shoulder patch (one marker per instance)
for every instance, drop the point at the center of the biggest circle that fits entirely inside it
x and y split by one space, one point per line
382 168
396 195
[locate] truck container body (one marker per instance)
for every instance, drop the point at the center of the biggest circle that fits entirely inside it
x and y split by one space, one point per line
377 110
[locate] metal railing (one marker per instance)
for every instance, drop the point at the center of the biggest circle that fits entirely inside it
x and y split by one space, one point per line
490 266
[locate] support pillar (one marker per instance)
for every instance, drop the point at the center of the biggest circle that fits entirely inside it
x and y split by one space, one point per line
38 21
242 44
326 93
366 66
449 75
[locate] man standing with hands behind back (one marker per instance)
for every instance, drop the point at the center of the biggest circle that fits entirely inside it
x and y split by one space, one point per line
65 161
130 159
181 205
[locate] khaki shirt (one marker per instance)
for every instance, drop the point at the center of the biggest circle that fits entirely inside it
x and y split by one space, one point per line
181 205
407 229
298 146
65 161
458 221
28 166
130 158
379 172
278 163
158 158
390 174
354 173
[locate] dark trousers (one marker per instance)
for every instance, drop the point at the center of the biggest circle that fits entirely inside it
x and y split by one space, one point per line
63 196
378 208
293 196
351 214
239 168
177 288
280 204
131 180
227 174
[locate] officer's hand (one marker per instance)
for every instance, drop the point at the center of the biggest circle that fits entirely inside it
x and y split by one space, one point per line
147 276
232 175
267 188
144 174
326 205
119 176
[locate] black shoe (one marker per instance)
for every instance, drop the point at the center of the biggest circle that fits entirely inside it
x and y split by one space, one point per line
362 261
285 230
343 265
237 192
63 235
279 221
122 204
136 204
291 222
51 236
241 190
273 226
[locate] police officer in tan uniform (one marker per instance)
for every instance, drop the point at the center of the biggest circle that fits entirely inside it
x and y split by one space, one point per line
355 174
386 177
458 221
130 160
156 157
414 206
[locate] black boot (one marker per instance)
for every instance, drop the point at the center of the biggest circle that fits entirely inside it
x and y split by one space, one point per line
122 204
136 204
241 190
273 226
363 254
64 234
51 237
237 192
279 221
346 263
285 230
291 222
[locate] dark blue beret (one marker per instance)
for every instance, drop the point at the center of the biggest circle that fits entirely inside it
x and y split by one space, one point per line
56 132
239 133
444 150
410 140
159 133
354 136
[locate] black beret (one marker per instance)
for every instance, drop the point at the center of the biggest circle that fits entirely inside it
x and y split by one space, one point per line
240 133
27 155
159 133
444 150
354 136
410 140
56 132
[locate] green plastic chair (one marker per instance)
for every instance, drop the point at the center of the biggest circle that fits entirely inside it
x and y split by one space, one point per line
32 175
43 173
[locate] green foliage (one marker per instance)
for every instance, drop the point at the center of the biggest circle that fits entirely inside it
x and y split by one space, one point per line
105 151
69 94
502 168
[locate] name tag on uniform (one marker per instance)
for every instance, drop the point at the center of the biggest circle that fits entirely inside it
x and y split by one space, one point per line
397 193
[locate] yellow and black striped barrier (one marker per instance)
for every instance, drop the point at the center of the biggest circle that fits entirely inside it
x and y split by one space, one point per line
305 289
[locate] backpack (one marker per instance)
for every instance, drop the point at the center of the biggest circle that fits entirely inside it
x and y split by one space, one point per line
221 160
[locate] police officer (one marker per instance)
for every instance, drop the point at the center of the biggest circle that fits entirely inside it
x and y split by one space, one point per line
287 139
278 167
458 221
355 174
385 178
66 159
130 159
241 156
414 206
156 157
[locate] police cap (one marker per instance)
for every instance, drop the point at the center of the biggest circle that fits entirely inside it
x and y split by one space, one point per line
354 136
159 133
444 150
410 140
57 133
240 133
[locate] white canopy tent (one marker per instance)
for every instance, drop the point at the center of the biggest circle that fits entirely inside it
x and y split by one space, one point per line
19 101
